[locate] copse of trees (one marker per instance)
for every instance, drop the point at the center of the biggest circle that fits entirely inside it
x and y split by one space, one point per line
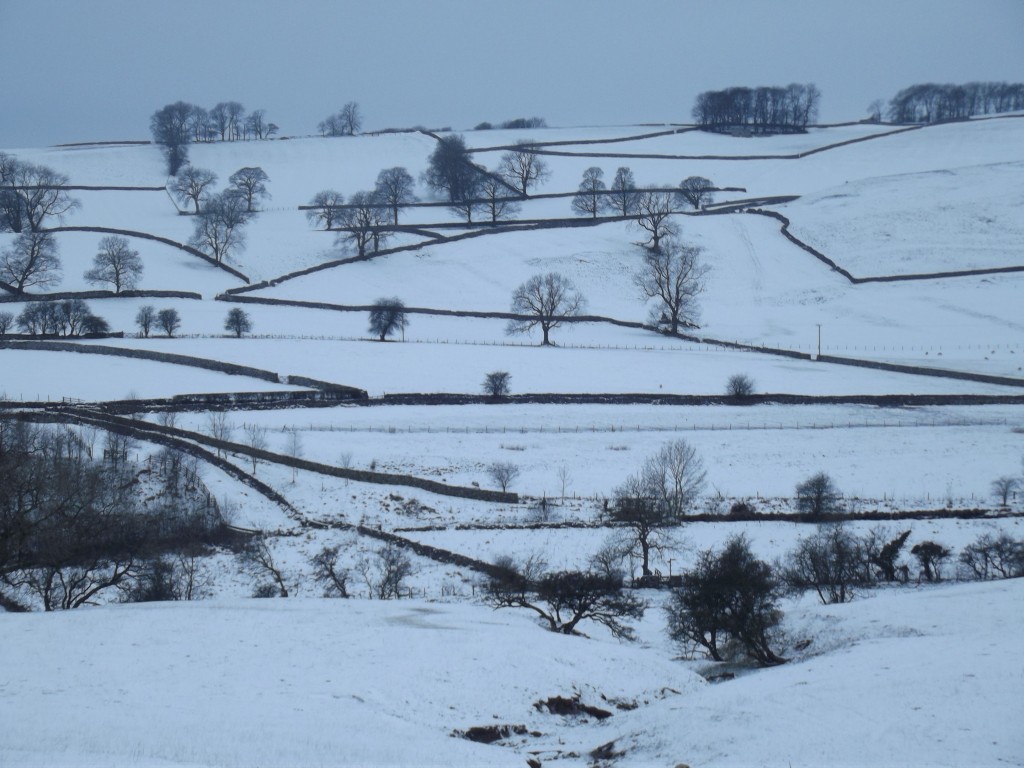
935 103
345 122
68 317
177 125
764 110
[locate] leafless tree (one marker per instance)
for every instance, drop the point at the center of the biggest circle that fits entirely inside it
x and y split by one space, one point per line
350 119
503 473
145 318
31 261
327 573
546 301
818 496
653 209
673 275
497 203
116 263
168 320
238 322
193 184
362 222
830 562
588 199
564 479
256 440
218 227
385 576
250 183
220 428
259 559
522 168
931 555
451 171
387 316
293 447
1004 487
697 191
566 598
622 199
6 322
395 189
39 193
739 386
496 384
325 208
993 556
657 498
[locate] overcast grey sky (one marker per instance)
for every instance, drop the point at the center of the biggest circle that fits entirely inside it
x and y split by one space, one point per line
79 71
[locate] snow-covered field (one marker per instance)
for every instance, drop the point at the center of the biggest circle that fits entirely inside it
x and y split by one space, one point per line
917 675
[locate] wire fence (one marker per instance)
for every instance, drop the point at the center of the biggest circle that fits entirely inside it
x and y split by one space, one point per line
620 428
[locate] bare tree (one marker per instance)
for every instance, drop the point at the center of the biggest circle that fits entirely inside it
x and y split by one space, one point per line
168 320
451 171
931 555
566 598
588 200
697 191
250 183
145 318
218 228
673 275
259 559
830 562
115 263
658 497
256 439
350 119
503 473
546 301
1004 487
394 188
31 261
41 193
564 479
496 384
496 202
6 322
327 573
818 496
387 316
653 209
522 168
325 208
739 386
220 428
386 576
193 185
294 448
622 199
993 556
238 322
363 222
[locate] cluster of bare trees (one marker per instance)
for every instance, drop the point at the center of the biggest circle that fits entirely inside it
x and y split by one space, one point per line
177 125
67 317
220 216
765 109
30 194
347 121
934 103
148 319
518 123
77 519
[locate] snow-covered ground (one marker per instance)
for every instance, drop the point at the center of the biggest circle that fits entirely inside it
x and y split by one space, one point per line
909 676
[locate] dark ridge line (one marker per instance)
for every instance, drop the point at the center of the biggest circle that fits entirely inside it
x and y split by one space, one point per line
130 142
157 238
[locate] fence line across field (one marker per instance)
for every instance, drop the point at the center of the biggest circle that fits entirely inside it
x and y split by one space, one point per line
613 428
